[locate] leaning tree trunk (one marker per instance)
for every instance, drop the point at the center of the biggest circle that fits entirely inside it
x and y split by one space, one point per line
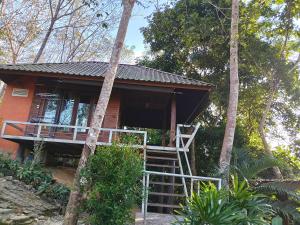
226 151
72 211
261 128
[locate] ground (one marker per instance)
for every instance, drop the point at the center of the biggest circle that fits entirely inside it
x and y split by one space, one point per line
20 205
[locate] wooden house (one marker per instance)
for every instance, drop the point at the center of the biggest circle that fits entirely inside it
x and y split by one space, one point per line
54 103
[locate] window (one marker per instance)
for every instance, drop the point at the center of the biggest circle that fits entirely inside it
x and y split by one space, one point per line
50 111
70 109
66 112
82 116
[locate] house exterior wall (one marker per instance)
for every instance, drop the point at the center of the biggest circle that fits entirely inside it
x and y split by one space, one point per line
15 108
27 108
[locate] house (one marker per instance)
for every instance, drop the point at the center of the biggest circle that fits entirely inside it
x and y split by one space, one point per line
54 103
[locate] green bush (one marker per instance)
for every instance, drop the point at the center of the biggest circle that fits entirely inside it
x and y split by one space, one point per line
113 179
35 175
8 167
238 206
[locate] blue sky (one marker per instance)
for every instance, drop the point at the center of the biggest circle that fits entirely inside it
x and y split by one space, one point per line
138 20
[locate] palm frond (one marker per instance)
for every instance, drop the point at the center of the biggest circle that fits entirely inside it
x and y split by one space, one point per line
288 208
289 188
250 169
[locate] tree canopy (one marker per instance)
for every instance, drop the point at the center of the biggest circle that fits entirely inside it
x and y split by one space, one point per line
192 38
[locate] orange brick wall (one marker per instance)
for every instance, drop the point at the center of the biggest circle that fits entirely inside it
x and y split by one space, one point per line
16 108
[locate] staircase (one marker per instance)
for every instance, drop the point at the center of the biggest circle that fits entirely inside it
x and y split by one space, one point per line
168 179
165 192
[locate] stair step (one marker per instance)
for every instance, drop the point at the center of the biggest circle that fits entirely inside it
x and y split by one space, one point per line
185 135
163 152
166 184
164 205
161 165
161 158
166 194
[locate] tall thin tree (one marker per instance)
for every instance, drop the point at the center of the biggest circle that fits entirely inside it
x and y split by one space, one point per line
226 151
72 211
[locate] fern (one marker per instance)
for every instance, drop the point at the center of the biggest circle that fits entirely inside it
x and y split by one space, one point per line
288 209
284 188
251 169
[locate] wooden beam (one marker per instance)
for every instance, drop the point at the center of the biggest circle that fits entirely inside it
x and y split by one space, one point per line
173 121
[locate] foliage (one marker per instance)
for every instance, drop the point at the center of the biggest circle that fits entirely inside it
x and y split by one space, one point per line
209 207
192 38
283 195
208 145
240 205
251 164
8 167
35 175
112 179
292 162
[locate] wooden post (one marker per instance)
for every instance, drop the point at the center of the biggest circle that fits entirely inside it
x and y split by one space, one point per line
172 144
173 122
193 158
163 131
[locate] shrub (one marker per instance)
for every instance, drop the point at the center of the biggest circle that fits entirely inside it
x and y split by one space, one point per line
35 175
8 167
112 177
238 206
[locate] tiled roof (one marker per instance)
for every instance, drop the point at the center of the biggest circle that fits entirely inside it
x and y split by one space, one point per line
97 69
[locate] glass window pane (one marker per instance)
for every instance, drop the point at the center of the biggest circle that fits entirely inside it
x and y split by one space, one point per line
82 115
50 111
65 117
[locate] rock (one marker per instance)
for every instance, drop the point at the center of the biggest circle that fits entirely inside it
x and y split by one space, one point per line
21 206
5 211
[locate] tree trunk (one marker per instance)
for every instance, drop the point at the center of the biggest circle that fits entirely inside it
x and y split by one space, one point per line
72 211
49 31
226 151
45 40
193 158
261 128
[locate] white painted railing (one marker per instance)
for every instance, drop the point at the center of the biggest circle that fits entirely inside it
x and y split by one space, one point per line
193 180
72 134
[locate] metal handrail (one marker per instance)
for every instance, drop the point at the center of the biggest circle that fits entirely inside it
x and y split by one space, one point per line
192 178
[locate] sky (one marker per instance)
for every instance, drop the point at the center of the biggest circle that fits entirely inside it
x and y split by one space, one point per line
138 20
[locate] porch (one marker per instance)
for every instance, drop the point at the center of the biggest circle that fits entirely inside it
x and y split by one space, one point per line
21 132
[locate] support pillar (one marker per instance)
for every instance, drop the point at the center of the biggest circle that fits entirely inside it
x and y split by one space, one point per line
173 122
172 144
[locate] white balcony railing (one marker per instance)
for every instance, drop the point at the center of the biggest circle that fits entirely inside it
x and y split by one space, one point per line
69 134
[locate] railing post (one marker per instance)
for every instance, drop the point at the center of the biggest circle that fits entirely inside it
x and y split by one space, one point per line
145 139
146 198
39 131
3 128
219 184
75 134
177 136
110 137
192 186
